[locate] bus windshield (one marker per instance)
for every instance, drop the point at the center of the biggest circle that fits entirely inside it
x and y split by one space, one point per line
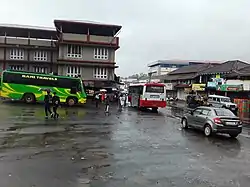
155 89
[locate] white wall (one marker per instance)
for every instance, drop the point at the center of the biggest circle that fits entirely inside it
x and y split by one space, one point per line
246 83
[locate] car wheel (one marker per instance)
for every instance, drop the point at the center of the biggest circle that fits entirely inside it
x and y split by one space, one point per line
207 130
184 124
233 135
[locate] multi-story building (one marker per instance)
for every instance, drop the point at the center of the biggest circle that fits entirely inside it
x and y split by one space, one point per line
72 48
27 48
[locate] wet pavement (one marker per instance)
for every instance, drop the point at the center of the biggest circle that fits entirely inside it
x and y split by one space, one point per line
85 148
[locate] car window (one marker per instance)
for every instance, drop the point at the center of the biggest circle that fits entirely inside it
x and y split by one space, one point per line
225 99
205 112
197 111
223 112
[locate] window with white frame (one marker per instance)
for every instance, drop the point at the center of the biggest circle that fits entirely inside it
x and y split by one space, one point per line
74 51
101 53
17 67
17 54
101 73
40 55
40 69
73 71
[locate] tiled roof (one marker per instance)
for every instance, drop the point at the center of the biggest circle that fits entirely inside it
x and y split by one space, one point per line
178 76
242 72
227 67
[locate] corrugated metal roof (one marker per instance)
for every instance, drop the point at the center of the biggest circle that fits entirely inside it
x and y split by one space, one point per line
183 62
191 69
27 27
86 22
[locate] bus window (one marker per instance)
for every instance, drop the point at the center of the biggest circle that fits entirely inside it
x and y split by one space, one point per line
155 89
60 82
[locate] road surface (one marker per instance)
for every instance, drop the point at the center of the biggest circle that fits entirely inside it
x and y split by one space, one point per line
86 148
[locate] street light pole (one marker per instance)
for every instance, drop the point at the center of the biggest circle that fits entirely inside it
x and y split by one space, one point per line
150 76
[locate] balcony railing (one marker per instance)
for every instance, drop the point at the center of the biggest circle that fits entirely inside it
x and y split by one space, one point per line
27 41
90 39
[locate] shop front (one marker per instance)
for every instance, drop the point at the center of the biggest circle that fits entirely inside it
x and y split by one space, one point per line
170 91
182 91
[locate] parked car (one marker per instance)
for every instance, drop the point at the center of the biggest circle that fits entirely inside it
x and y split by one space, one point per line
213 120
222 102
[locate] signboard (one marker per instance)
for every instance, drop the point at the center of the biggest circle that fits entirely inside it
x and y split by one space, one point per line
211 84
169 86
198 87
230 88
217 76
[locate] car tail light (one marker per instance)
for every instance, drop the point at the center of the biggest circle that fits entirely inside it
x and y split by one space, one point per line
217 120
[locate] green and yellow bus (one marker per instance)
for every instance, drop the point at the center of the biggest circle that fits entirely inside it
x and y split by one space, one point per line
26 86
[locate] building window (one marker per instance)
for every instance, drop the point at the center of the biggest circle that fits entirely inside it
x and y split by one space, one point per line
73 71
101 53
40 55
16 67
17 54
74 51
38 69
101 73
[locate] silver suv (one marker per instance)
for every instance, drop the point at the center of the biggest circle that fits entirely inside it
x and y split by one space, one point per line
222 102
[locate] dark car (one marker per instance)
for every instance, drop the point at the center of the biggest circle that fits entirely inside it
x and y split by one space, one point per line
213 120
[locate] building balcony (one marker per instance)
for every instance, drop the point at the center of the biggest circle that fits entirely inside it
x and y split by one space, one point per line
27 42
92 40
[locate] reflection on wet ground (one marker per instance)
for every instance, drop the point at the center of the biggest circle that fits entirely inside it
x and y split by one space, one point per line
129 148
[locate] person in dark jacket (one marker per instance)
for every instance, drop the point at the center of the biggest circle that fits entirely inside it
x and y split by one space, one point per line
97 99
55 104
47 104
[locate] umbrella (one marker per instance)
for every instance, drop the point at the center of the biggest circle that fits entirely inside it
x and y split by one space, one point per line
103 90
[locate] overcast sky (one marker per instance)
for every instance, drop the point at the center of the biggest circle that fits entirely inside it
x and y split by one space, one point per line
152 30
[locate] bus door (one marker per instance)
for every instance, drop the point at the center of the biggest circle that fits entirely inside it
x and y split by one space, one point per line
135 95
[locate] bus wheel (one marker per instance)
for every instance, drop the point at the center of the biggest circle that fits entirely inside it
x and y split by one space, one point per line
71 101
29 98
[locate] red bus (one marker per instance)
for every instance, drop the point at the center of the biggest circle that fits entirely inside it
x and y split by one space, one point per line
147 95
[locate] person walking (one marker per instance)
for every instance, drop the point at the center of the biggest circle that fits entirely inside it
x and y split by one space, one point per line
107 104
97 99
47 104
55 104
